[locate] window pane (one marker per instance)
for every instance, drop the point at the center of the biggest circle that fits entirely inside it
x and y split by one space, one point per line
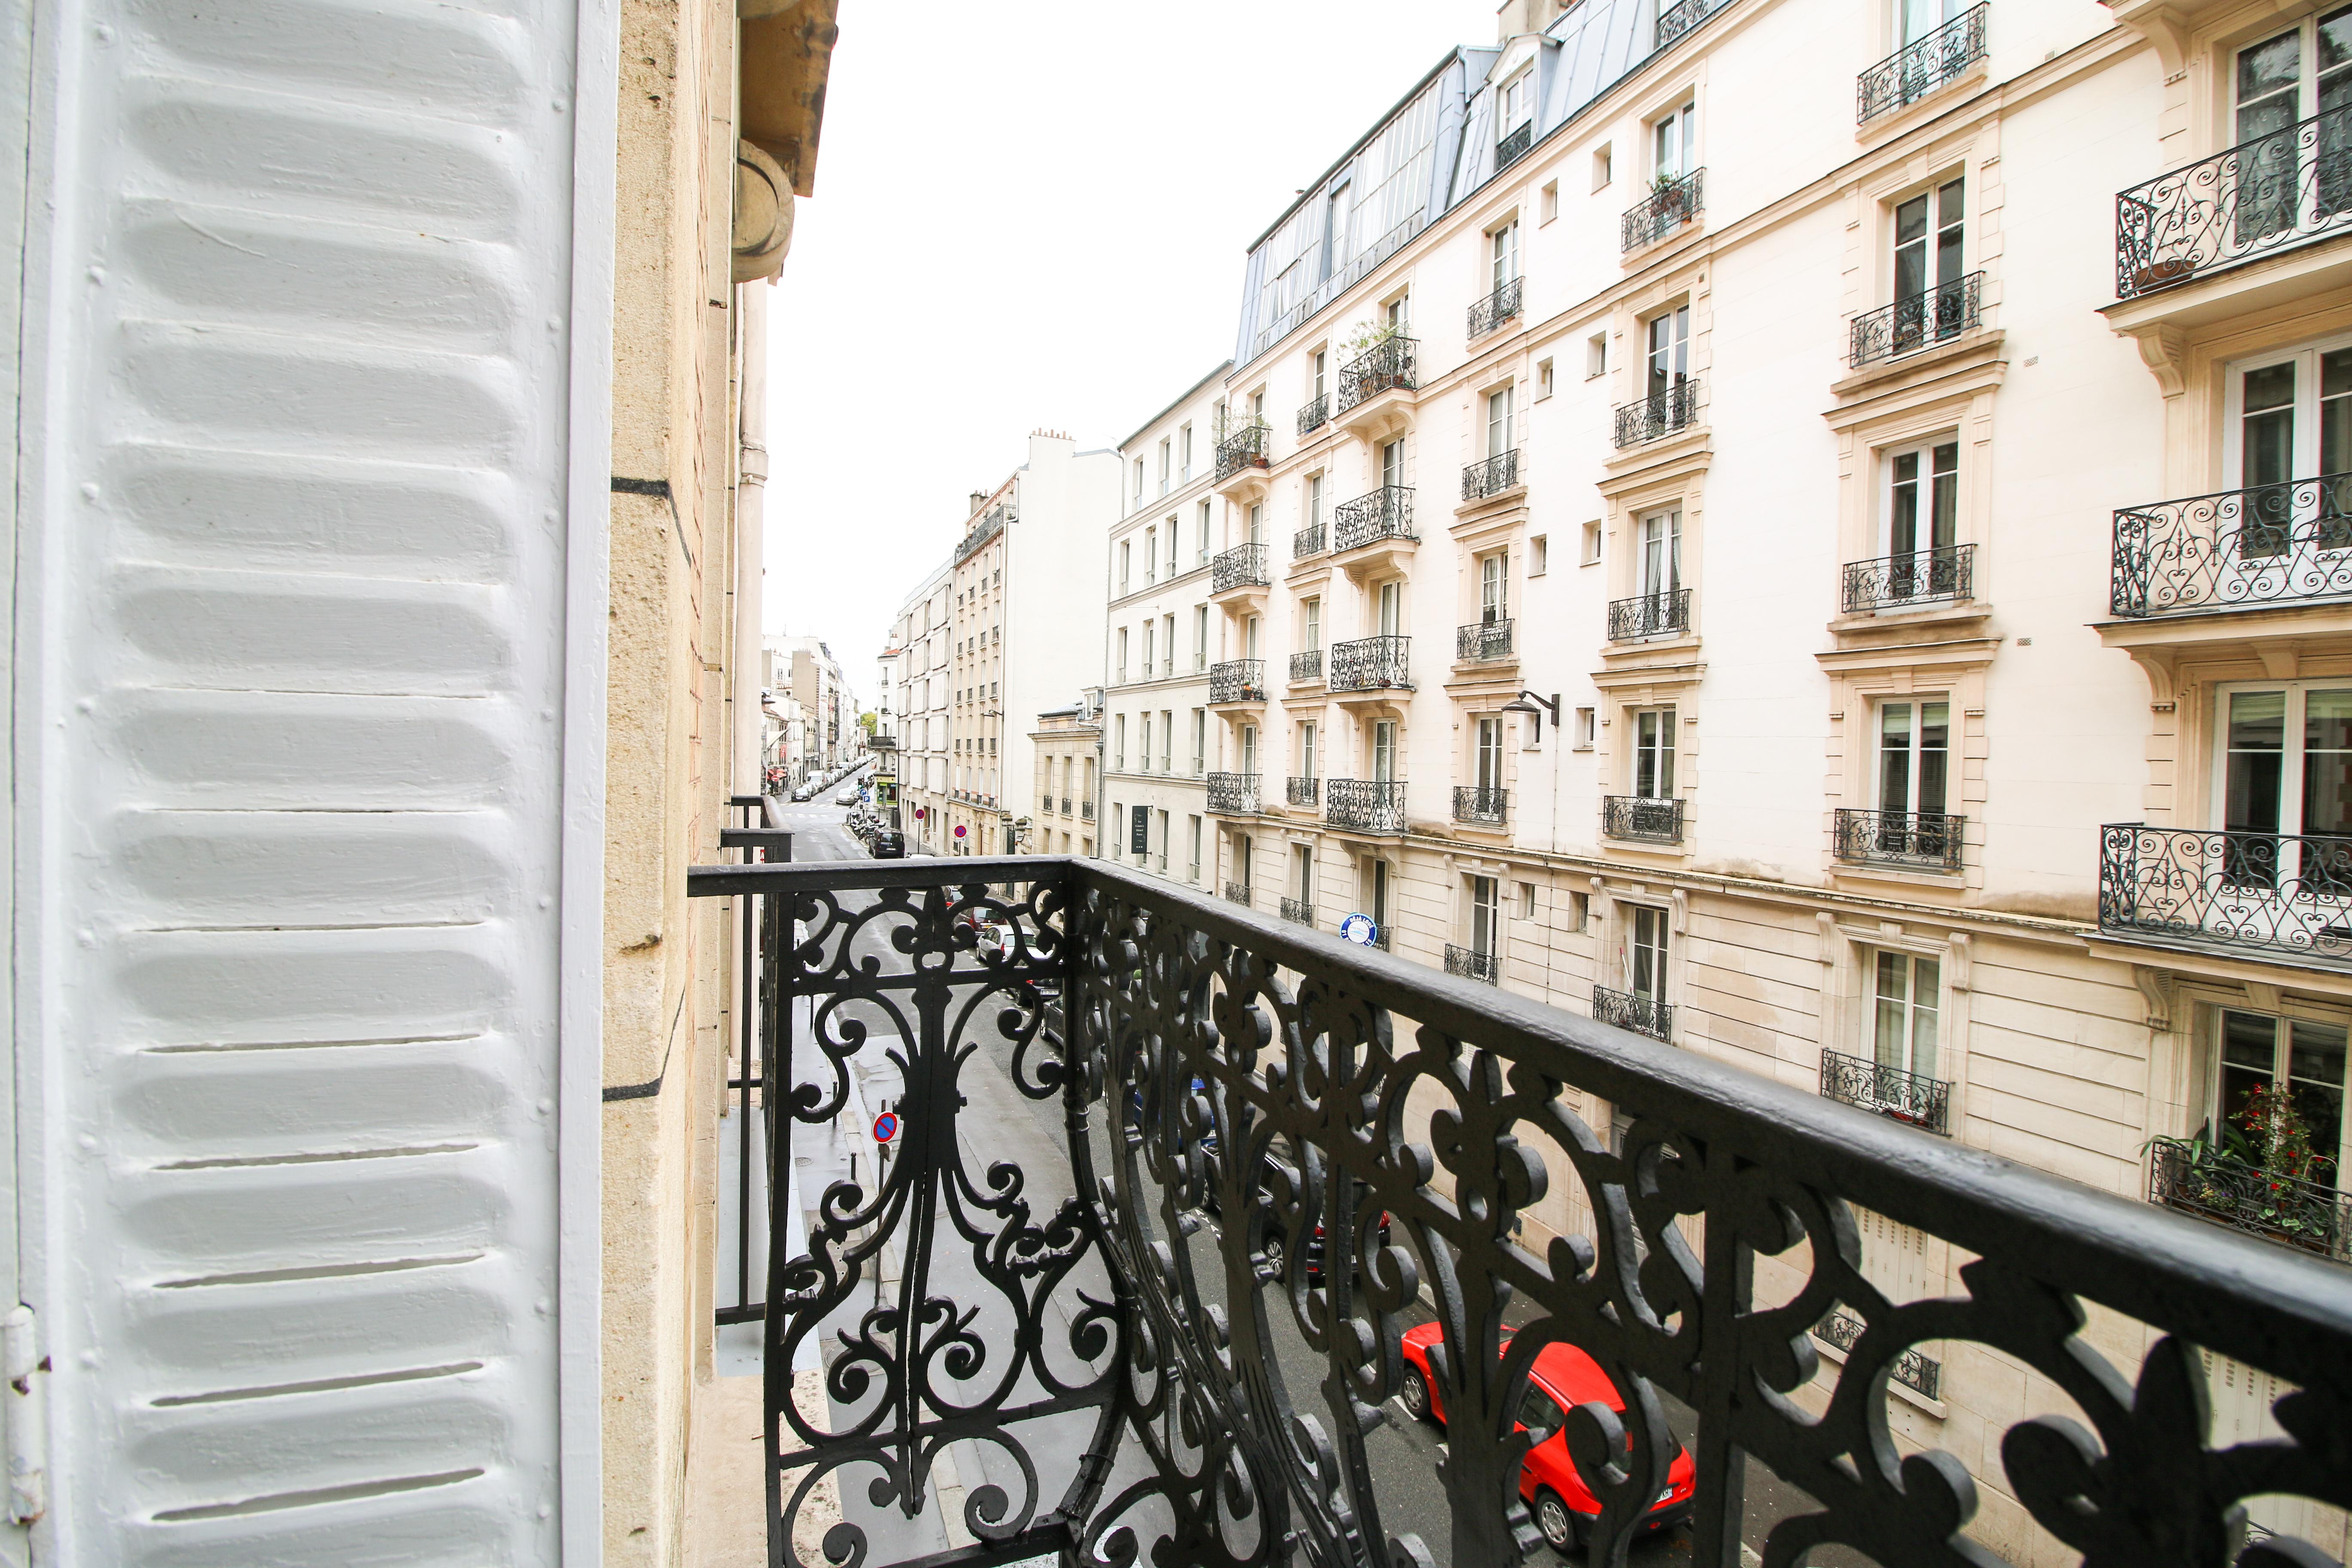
2315 1064
2326 762
1927 978
2249 1058
2256 768
2268 435
1934 752
2268 66
1892 989
2336 39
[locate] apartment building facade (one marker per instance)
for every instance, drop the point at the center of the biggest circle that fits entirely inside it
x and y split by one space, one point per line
1163 641
917 694
1718 577
1067 744
1023 598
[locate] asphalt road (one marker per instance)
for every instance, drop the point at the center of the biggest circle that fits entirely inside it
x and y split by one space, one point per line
999 1124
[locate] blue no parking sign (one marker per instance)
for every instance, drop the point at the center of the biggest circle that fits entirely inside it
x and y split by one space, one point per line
886 1127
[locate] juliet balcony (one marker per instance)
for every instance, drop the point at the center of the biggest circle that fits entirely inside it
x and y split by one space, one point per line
1298 912
1490 477
1514 146
1942 314
1501 306
1915 580
1312 540
1232 795
1641 818
1307 665
1665 614
1237 680
1300 790
1099 1072
1481 807
1922 67
2289 188
1372 664
1315 414
1909 840
1907 1097
2237 1191
1672 204
1482 642
2289 895
1664 413
2234 550
1240 572
1364 805
1473 965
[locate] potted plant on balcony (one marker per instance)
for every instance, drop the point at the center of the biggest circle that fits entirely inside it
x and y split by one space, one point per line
2260 1173
2161 272
1670 198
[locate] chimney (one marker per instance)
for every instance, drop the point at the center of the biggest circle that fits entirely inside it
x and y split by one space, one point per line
977 497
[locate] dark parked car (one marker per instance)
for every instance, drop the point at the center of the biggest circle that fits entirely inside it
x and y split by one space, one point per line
889 846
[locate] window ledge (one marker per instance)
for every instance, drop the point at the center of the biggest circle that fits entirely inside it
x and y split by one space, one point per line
1980 345
1891 874
1902 1391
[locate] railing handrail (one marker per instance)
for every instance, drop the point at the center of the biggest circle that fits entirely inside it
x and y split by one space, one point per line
1245 446
2173 1160
1242 566
1380 663
1484 640
1237 680
1377 514
1934 315
1308 541
1315 414
1387 366
1898 79
1498 307
2039 1240
1943 572
2171 227
1646 223
1490 476
1928 1097
1660 611
2174 556
1657 416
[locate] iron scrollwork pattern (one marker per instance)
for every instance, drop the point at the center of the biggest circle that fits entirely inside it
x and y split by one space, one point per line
1943 574
1387 366
1246 447
2269 545
1499 306
1243 566
1228 1080
2277 890
1921 322
1237 680
1912 73
2285 188
1658 415
1670 205
1491 475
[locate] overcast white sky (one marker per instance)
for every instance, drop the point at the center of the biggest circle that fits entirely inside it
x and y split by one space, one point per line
1032 214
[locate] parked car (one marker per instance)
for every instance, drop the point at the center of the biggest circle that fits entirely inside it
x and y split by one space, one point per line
1562 1378
889 846
847 797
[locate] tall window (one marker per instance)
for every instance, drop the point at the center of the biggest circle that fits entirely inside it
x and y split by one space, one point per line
1124 551
1302 871
1171 547
1385 749
1184 451
1320 365
2288 768
1669 349
1377 893
1202 559
1150 555
1119 668
1200 739
1249 749
2294 75
1147 650
1258 522
1645 954
1503 256
1915 19
1249 637
1922 505
1168 644
1673 142
1489 759
1493 587
1306 750
1392 462
1143 758
2262 1061
1659 557
1391 603
1310 616
1905 990
1201 636
1654 753
1164 465
1518 101
1241 860
1167 742
1192 839
1498 421
1484 918
1118 743
1929 229
1914 755
2294 414
1315 498
1397 314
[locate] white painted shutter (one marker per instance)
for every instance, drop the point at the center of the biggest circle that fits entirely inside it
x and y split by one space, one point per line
291 730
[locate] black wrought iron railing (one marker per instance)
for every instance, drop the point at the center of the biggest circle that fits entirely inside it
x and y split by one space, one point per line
1491 475
1671 204
1298 912
1477 802
1914 1369
1248 447
1497 308
1077 1267
1921 322
1921 840
2289 187
2197 1178
1924 1102
1642 817
1680 17
1307 541
1483 640
1299 791
1372 664
1473 965
1385 513
1658 415
1665 613
1086 811
2244 549
1243 566
762 930
2281 892
1236 893
1514 146
1387 366
1911 73
1307 666
1232 795
1237 680
1627 1010
1315 414
1911 581
1366 805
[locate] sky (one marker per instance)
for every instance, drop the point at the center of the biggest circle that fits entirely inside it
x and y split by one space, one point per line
1032 215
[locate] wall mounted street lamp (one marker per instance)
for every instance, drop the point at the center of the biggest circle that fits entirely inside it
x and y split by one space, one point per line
1529 703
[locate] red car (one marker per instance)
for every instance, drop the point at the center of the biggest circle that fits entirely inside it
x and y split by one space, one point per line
1563 1378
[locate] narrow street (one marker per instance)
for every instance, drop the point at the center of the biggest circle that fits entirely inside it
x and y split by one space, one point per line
1000 1124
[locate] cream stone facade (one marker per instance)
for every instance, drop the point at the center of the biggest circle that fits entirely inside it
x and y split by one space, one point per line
1719 578
1067 743
922 647
1161 639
